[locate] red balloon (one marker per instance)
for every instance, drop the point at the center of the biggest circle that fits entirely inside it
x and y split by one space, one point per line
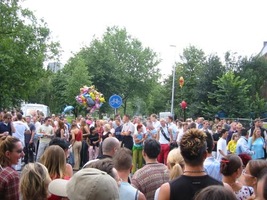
183 104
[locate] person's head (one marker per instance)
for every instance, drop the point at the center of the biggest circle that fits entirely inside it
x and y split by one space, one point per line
123 160
151 148
206 124
55 161
47 121
262 188
185 126
209 140
256 134
231 165
193 147
235 137
126 118
233 126
253 171
28 119
224 133
153 117
107 128
245 158
217 119
105 165
118 122
11 150
257 122
7 118
34 180
244 132
88 183
192 125
175 162
200 120
62 143
139 128
19 116
215 192
169 119
82 122
239 127
162 122
61 124
110 146
92 130
219 128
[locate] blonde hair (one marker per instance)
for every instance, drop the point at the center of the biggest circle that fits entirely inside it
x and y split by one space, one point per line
7 143
254 134
175 163
55 161
34 180
234 135
107 127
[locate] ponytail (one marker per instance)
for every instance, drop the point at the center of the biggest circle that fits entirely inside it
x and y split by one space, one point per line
176 171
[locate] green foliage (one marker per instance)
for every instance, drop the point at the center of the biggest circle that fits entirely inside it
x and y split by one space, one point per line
121 65
24 46
232 96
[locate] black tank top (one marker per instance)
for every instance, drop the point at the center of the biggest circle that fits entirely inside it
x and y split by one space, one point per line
185 187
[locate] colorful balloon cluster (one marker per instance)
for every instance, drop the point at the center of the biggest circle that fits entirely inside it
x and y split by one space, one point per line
90 98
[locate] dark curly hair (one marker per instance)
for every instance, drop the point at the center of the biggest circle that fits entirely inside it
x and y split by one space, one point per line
193 147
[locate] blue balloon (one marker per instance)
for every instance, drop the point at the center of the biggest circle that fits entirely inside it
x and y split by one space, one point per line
90 102
68 108
87 96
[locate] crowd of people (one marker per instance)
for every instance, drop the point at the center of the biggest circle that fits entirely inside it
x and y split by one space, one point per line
130 158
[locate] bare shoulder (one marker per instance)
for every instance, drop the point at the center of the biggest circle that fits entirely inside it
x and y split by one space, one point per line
69 170
141 196
164 192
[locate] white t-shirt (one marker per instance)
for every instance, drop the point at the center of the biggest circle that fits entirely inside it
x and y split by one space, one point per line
156 124
20 128
221 145
174 129
162 139
128 127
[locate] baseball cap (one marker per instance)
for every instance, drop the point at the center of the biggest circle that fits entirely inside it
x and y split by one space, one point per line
86 184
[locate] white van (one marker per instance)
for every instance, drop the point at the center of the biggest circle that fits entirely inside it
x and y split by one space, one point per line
31 109
164 115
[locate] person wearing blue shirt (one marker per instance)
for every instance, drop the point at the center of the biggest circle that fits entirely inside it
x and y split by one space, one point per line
257 144
211 165
242 144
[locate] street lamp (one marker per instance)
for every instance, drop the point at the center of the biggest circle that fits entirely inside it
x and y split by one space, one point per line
173 84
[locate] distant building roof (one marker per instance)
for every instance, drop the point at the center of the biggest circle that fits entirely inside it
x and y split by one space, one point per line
54 66
263 51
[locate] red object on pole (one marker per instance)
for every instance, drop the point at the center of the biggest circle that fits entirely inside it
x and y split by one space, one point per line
183 105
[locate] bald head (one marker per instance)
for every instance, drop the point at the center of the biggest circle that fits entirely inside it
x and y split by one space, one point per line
110 145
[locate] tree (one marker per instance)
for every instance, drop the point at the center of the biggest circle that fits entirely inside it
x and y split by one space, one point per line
192 62
121 65
232 96
24 45
76 76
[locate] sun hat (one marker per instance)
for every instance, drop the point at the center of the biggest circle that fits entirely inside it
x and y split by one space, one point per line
86 184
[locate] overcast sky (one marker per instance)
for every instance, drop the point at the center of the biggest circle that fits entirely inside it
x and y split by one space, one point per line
215 26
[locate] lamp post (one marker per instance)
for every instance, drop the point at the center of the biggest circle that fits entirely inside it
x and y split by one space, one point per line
173 84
